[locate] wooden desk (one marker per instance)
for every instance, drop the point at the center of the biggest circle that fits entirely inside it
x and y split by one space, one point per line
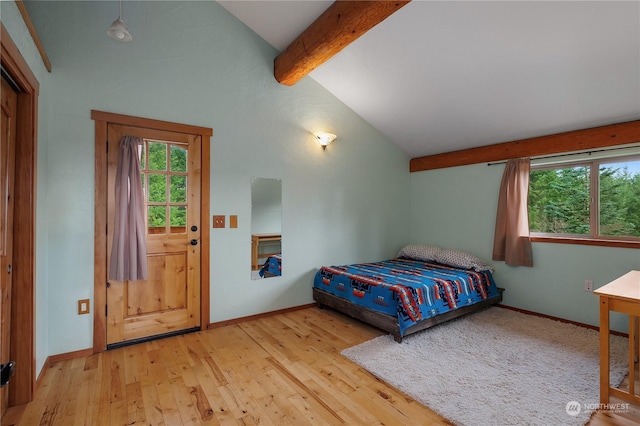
256 239
620 295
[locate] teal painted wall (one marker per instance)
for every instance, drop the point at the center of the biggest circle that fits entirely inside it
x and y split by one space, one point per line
194 63
456 208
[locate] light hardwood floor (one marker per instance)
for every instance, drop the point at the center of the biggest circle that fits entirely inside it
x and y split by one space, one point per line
281 370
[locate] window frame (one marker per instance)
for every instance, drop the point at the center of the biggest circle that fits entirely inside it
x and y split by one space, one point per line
594 237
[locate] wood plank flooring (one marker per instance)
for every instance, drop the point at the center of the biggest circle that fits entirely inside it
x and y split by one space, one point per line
280 370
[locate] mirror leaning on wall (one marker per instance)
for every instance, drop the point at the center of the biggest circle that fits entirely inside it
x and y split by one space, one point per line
266 228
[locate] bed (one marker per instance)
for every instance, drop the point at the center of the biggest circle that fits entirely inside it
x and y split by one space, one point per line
272 266
422 287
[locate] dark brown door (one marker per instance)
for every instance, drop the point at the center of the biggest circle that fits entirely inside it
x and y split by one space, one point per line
7 169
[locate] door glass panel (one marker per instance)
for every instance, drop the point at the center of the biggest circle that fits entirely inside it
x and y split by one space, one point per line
178 219
178 159
157 188
178 192
157 156
166 190
157 219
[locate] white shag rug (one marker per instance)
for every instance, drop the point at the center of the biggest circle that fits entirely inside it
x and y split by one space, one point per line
497 367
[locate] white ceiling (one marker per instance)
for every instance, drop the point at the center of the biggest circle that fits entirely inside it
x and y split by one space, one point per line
442 76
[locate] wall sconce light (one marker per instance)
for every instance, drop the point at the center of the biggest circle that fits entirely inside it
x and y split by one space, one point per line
325 139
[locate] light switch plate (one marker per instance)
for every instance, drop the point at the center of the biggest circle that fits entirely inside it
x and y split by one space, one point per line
218 221
233 221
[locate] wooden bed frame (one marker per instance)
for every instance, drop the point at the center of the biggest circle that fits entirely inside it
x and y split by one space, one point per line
389 323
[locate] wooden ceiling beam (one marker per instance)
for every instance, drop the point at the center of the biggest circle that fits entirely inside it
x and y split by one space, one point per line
338 26
577 140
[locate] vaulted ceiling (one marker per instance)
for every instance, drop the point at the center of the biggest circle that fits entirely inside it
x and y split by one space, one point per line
441 76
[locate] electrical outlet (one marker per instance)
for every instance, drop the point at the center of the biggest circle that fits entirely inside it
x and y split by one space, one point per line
588 285
83 306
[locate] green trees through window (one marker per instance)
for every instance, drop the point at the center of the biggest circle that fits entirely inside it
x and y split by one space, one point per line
559 200
569 200
620 199
165 188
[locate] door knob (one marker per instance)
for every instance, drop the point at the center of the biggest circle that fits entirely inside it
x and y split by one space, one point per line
6 371
194 242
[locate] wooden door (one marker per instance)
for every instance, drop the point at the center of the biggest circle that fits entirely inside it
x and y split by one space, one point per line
7 168
169 300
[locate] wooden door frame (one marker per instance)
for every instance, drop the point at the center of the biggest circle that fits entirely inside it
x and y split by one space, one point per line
102 120
22 386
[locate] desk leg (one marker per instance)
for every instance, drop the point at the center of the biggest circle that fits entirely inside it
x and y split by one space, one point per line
604 350
637 351
632 354
637 345
254 254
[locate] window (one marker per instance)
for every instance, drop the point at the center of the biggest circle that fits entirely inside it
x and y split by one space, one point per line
597 199
164 176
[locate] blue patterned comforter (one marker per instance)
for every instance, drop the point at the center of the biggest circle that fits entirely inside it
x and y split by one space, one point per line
412 290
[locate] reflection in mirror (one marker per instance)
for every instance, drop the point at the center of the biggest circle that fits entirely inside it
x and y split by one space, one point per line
266 228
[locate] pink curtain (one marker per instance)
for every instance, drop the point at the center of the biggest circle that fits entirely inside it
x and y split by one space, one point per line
511 241
129 250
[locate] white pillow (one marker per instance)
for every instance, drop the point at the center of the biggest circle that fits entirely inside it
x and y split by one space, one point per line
461 259
419 252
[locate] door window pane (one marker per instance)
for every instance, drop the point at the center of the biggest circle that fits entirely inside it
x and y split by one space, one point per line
157 156
178 192
178 219
157 219
178 159
157 188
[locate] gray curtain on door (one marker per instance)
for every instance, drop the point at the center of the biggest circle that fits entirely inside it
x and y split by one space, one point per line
129 250
511 240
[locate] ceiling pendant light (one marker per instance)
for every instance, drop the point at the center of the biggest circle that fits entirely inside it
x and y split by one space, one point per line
118 30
